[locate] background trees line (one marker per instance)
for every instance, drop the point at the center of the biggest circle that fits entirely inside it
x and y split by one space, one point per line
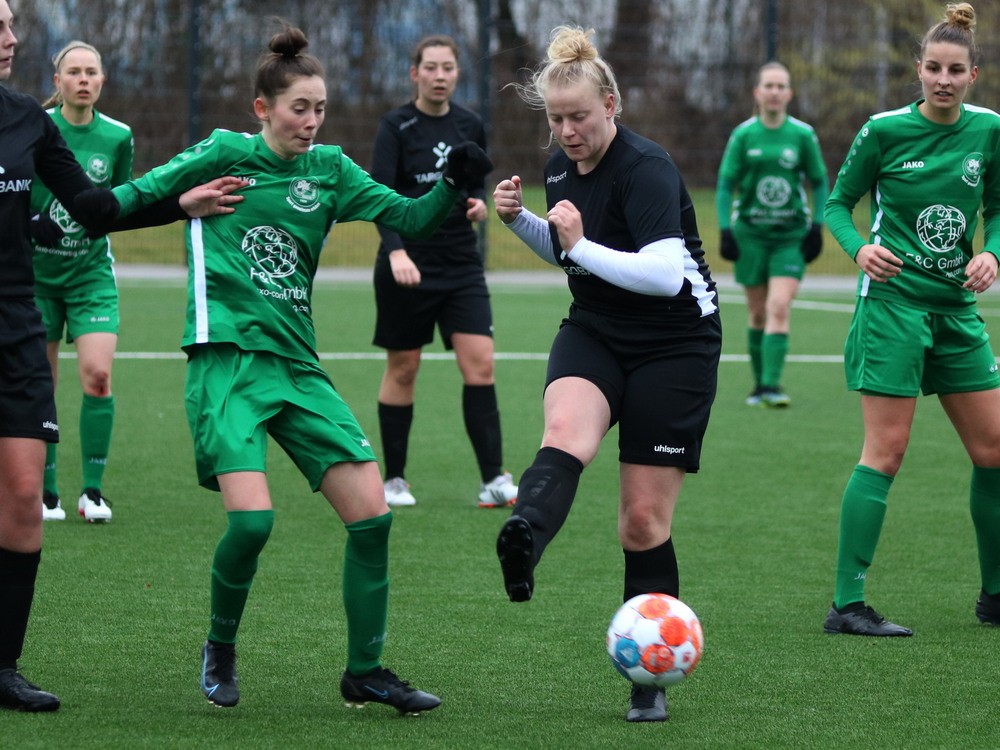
178 68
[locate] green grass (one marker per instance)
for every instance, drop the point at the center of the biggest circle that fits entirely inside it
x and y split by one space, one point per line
121 610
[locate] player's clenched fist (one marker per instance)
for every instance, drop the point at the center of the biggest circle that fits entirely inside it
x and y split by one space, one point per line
507 199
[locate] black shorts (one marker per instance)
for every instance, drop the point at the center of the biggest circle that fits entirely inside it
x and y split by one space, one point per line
406 316
660 394
27 396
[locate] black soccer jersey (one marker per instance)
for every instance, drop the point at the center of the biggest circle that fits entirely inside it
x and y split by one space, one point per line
633 197
411 150
30 145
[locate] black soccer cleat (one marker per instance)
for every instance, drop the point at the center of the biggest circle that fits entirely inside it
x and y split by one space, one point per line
861 620
988 608
219 681
647 704
381 685
17 694
516 551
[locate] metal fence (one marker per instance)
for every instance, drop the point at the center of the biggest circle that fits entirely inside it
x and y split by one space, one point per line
179 68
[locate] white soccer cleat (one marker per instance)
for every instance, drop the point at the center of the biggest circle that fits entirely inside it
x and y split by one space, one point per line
52 509
499 492
93 506
397 492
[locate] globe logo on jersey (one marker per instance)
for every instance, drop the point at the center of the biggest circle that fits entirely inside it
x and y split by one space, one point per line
940 227
773 192
972 169
273 251
98 168
59 214
303 194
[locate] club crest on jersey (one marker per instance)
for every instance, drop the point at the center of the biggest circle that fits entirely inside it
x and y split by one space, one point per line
774 192
303 194
940 227
789 158
972 169
98 168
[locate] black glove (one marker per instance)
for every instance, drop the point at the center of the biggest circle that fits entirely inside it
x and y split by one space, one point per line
45 232
467 165
96 209
727 246
812 243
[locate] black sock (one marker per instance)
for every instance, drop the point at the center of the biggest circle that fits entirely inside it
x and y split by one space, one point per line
545 494
482 423
17 588
394 424
652 571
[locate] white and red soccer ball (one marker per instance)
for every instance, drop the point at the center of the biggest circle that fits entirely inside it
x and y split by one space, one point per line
655 640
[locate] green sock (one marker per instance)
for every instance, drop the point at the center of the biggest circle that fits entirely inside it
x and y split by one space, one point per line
233 569
984 502
773 350
754 338
49 481
97 417
366 591
861 514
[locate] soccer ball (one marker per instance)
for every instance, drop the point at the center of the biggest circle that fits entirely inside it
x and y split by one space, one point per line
655 640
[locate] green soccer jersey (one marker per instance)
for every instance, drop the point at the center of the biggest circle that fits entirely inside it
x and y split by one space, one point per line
766 166
104 148
926 182
251 272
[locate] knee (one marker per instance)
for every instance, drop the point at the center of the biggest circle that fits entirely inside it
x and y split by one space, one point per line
642 528
97 381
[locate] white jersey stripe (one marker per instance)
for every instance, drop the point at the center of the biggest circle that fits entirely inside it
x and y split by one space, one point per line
198 282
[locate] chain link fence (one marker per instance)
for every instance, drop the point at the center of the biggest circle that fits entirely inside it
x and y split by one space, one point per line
179 68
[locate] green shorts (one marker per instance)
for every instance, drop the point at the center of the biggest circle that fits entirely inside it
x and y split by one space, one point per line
765 256
896 350
235 398
92 309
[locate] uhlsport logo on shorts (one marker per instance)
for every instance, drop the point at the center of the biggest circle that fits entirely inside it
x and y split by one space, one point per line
940 227
774 192
303 194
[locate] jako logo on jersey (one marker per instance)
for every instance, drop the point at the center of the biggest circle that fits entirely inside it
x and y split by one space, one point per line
441 151
913 165
59 214
555 178
940 227
972 169
303 194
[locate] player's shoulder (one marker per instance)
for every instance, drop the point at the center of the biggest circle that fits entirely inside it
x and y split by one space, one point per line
635 147
112 123
17 102
977 111
800 125
401 115
464 114
745 127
